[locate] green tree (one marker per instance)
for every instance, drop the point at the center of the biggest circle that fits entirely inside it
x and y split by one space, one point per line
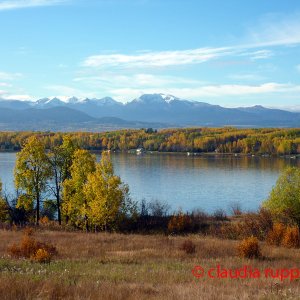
107 197
284 199
60 160
32 172
74 205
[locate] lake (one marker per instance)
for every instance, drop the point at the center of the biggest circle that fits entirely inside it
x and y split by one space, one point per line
188 182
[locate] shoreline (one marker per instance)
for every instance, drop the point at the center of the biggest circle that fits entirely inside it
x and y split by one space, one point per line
187 153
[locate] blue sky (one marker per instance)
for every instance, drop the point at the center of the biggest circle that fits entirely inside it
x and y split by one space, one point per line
232 53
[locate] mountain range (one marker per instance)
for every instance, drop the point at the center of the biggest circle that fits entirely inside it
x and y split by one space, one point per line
149 110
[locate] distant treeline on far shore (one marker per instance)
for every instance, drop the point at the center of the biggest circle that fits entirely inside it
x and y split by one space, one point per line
273 141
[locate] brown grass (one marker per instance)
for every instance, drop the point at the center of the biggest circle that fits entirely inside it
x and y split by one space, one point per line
188 247
118 266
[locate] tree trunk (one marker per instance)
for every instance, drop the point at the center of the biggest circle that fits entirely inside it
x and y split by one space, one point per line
37 210
58 209
86 224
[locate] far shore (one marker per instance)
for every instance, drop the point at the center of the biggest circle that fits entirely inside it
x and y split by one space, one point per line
189 154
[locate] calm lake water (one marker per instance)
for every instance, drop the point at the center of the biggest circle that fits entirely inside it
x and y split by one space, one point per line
207 183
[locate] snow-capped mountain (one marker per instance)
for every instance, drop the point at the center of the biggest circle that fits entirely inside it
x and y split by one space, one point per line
46 103
162 108
107 101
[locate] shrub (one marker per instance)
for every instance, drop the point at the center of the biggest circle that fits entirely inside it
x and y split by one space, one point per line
45 220
276 234
29 248
180 223
236 208
257 224
188 246
230 231
42 256
249 248
291 238
220 215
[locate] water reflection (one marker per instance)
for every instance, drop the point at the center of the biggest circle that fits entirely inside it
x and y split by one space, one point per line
206 182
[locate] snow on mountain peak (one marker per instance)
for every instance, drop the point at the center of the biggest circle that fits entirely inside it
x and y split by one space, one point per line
168 98
155 98
72 100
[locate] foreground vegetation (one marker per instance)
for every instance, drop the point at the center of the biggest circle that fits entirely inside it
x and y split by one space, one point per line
272 141
93 242
118 266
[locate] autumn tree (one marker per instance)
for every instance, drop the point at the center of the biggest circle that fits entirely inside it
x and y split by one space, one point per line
4 208
107 197
32 172
284 199
60 161
74 206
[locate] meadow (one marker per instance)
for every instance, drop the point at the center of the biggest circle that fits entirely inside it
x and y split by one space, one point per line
135 266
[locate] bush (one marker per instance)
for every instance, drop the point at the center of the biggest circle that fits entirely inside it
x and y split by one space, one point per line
276 234
180 223
188 246
249 248
220 215
250 224
233 231
44 220
257 224
236 208
291 238
42 256
29 248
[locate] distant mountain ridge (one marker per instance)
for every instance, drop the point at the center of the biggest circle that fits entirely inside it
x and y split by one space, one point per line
156 110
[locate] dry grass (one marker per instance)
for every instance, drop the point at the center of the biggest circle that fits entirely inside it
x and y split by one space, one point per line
116 266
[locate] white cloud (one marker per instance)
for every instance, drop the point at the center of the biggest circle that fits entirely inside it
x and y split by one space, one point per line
247 77
259 54
5 84
64 92
16 4
7 96
17 97
275 30
9 76
171 58
134 80
156 59
209 91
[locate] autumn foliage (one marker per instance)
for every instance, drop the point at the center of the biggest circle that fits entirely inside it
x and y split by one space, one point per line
222 140
180 223
282 235
276 234
31 249
249 248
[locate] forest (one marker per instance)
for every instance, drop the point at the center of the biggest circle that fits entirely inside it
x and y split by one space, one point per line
272 141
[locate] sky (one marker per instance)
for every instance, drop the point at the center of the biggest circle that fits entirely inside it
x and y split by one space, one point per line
232 53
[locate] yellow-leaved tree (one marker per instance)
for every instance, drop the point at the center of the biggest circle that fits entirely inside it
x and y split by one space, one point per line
74 205
284 199
60 161
107 197
32 171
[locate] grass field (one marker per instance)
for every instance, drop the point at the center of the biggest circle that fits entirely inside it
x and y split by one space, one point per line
117 266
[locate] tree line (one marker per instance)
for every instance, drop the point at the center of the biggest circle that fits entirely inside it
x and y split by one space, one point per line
271 141
66 183
87 193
